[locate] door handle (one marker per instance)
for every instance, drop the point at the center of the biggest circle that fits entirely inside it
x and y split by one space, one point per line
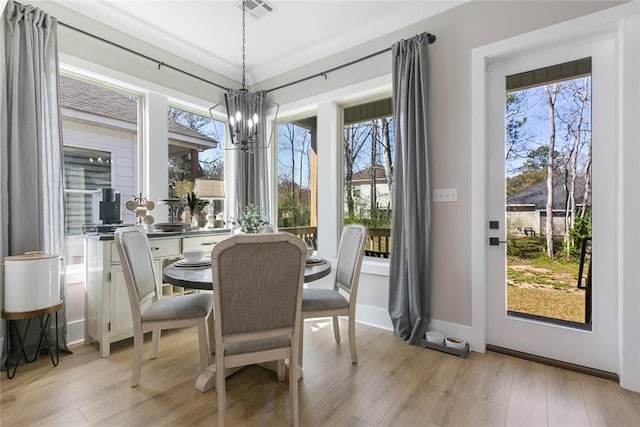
495 241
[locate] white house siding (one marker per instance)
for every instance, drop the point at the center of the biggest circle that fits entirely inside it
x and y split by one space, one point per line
382 191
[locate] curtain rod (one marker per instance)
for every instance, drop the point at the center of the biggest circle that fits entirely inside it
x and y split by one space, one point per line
431 38
160 63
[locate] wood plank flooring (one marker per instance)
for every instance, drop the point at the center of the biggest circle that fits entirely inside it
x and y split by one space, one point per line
393 385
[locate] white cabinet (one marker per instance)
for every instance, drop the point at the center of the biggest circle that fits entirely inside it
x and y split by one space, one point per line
108 312
192 242
205 243
107 309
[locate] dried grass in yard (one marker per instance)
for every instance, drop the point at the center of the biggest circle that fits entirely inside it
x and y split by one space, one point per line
558 304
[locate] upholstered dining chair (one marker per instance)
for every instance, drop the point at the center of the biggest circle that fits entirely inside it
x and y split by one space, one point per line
318 302
147 311
257 294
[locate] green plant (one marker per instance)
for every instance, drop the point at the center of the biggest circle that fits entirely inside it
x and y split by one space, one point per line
251 219
194 203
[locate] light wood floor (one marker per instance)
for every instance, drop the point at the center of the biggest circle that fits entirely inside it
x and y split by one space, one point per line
394 384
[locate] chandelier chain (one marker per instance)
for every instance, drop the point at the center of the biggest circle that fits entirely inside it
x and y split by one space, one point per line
244 42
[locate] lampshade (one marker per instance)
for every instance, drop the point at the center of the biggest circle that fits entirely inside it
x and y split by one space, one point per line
31 281
209 188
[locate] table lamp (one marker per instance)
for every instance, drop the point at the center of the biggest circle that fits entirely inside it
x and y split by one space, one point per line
211 189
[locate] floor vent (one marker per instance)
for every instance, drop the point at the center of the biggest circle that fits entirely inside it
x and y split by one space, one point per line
257 8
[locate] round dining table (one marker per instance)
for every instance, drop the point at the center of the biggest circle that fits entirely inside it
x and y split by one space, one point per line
200 277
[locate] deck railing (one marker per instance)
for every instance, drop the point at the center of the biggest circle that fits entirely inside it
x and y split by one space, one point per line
378 239
305 233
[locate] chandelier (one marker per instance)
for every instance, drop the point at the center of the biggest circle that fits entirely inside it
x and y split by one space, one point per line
245 112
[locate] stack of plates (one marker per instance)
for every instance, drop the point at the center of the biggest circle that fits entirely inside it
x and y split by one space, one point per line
205 262
315 260
168 226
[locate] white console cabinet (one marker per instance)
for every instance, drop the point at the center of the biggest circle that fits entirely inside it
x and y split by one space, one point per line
108 313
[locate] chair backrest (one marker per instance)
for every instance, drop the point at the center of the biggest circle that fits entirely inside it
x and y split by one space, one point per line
137 267
257 282
350 255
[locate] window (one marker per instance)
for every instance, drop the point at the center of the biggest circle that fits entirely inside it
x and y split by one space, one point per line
548 163
367 172
195 155
297 177
100 139
85 172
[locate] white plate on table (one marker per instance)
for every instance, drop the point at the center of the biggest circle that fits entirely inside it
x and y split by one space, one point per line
315 260
205 262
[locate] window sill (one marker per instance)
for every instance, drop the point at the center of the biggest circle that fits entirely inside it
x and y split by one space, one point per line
375 267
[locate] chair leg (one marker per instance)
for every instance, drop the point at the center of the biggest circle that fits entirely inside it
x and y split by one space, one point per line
138 349
280 370
352 339
336 328
212 341
220 388
155 340
300 345
203 344
294 366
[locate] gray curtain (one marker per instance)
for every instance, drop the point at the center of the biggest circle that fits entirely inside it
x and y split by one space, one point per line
409 279
31 145
250 167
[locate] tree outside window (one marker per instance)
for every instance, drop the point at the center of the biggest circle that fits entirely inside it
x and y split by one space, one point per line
368 172
194 154
297 177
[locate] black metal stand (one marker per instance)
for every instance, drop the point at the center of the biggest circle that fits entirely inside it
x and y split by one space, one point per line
44 317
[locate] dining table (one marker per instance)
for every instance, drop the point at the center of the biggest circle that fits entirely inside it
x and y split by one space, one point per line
198 277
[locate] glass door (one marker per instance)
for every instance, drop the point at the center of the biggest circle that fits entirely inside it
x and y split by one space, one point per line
551 173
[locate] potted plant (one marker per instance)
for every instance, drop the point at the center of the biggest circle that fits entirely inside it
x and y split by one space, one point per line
196 205
251 219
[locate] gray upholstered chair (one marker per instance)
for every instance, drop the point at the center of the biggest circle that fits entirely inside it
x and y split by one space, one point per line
257 293
147 311
317 302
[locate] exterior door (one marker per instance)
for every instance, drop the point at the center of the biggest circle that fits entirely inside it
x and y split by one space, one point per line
518 225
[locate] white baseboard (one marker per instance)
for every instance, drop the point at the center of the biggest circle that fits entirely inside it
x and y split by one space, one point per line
373 316
75 332
454 329
379 318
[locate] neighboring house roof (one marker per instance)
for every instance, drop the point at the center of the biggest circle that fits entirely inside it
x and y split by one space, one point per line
365 174
94 99
537 195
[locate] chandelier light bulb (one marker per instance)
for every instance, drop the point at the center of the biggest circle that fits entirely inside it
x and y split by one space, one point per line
238 116
232 121
250 123
255 118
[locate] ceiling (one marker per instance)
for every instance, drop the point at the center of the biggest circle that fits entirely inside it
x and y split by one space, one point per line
209 32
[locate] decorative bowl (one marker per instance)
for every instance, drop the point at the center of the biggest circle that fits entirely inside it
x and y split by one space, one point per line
455 342
193 255
435 337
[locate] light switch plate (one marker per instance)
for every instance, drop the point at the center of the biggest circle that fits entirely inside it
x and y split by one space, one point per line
445 195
